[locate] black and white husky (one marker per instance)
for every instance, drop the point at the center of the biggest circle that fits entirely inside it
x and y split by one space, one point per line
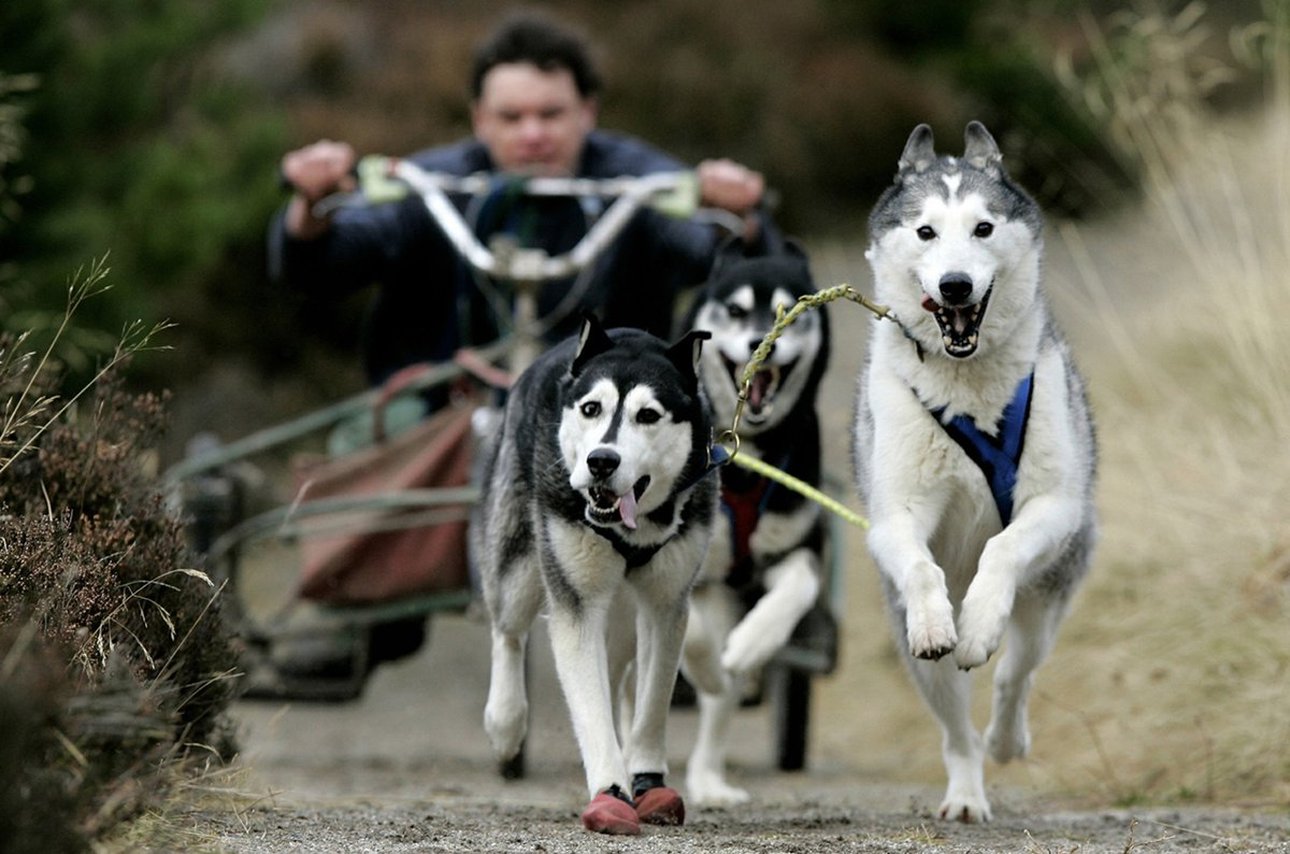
974 448
595 497
763 570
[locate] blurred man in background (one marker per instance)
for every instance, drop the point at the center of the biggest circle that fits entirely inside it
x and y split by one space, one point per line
534 112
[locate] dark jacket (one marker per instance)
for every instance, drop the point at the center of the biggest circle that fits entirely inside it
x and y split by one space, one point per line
428 304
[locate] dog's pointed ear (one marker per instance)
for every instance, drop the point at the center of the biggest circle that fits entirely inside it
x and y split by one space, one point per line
731 250
685 353
592 341
918 153
979 148
794 249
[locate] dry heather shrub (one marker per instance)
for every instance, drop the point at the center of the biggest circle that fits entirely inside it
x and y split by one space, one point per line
94 562
38 789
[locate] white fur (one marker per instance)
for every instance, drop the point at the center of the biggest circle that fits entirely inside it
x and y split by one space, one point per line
961 583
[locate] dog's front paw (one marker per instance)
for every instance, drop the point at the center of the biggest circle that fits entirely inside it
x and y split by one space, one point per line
982 622
708 789
969 809
751 644
930 631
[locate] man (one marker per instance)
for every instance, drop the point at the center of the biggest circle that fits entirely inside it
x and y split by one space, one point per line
534 111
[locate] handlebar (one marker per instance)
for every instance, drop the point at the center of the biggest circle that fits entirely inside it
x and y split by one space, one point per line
387 179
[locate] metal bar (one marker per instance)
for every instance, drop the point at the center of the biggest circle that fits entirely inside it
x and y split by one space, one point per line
270 437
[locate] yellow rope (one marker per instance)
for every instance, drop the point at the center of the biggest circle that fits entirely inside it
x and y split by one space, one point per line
782 321
800 486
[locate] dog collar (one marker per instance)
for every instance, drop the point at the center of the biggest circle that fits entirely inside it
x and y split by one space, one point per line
996 456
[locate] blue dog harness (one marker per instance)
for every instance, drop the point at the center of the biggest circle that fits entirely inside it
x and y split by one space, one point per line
997 457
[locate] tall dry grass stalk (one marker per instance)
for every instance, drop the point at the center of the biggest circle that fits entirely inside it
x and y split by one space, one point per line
1172 680
28 412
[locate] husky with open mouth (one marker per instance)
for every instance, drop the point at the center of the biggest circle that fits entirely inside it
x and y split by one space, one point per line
763 572
974 449
597 497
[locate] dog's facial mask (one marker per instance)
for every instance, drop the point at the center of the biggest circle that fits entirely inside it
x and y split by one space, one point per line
741 305
958 231
624 444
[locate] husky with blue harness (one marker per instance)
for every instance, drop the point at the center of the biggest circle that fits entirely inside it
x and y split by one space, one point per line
974 448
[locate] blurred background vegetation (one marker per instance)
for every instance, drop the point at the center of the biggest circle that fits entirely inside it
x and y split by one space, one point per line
149 132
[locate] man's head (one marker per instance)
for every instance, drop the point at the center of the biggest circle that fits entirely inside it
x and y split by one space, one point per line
534 96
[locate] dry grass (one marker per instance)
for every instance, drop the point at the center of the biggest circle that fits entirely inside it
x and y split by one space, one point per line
1171 681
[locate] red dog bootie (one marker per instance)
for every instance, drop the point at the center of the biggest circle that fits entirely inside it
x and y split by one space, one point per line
656 803
610 812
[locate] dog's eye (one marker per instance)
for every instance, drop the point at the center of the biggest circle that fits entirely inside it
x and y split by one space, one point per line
736 312
926 232
648 416
983 229
590 409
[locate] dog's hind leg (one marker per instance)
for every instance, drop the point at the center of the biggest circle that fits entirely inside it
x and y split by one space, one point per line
705 773
713 613
1032 632
948 692
506 712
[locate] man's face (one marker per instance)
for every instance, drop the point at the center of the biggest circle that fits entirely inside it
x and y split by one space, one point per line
532 121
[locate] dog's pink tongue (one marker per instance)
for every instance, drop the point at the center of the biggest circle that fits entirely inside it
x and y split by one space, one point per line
757 389
627 508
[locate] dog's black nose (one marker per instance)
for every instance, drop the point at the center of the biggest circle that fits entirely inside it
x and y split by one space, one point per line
603 462
956 288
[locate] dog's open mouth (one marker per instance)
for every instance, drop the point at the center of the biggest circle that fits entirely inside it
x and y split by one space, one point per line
960 326
604 507
761 388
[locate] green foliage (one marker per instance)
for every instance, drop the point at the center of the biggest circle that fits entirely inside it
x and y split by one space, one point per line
139 143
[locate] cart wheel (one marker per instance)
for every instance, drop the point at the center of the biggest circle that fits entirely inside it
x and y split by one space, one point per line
793 714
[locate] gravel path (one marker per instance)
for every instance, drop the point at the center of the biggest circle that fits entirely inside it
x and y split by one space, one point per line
406 768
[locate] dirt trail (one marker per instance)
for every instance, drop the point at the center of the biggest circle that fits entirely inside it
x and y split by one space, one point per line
406 768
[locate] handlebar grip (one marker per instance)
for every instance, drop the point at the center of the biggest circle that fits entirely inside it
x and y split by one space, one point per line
377 183
681 200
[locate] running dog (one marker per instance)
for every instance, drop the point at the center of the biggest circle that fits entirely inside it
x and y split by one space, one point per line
595 486
974 448
762 574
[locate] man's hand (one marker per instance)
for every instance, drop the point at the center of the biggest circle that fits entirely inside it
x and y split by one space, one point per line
734 187
316 171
